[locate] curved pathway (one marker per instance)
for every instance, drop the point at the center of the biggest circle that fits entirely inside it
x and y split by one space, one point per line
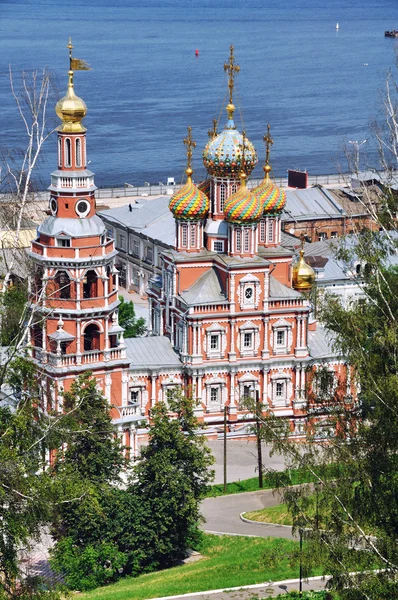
222 515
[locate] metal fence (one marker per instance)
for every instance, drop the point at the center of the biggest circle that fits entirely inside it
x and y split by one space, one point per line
128 191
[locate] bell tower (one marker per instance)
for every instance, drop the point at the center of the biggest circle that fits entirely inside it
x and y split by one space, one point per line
74 290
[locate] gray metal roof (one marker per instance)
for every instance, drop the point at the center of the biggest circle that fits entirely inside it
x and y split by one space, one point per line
54 226
140 215
151 218
278 290
206 290
320 343
155 351
310 203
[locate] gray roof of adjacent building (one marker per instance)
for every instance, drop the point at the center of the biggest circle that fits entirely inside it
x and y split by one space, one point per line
311 203
153 351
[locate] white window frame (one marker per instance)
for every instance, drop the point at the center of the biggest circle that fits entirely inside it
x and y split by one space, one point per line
214 342
60 242
223 196
270 230
68 152
184 235
246 242
239 240
281 337
78 150
192 236
220 250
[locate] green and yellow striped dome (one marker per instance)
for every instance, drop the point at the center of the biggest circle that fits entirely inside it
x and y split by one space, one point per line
189 203
243 206
272 198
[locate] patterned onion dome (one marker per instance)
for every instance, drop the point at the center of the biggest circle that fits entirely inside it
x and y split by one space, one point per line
272 198
222 155
243 207
189 203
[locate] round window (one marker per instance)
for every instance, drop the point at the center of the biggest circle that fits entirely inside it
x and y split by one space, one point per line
82 208
249 293
53 206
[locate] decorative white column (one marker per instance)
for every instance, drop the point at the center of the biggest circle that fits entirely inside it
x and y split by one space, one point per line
265 351
150 308
232 352
233 408
153 389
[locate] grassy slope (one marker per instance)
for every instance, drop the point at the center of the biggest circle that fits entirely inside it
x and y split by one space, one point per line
229 561
271 480
278 514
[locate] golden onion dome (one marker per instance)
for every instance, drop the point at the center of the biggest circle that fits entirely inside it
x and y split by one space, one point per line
189 203
303 276
71 110
243 207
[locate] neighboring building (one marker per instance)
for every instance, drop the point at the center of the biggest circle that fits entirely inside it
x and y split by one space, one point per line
322 214
225 321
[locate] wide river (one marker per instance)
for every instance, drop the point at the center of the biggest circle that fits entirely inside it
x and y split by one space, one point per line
318 86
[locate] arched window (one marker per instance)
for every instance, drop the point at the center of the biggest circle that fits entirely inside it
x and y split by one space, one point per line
238 240
234 188
37 335
38 281
90 285
192 241
111 279
247 240
223 193
62 285
59 152
78 152
262 230
270 230
184 235
68 153
91 337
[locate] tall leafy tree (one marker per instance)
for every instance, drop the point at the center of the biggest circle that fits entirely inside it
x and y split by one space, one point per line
170 479
133 327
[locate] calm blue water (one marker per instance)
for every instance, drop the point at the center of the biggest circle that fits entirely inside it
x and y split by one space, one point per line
146 86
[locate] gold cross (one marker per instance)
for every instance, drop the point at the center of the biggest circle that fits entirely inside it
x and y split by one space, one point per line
70 47
231 68
268 143
189 142
212 133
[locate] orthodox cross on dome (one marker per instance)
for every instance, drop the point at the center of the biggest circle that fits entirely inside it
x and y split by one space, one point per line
212 133
190 144
268 143
302 238
232 69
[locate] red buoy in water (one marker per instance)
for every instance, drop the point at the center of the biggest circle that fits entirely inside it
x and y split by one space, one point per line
196 52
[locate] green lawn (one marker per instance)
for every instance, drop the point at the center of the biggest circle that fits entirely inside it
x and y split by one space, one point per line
278 514
229 561
272 480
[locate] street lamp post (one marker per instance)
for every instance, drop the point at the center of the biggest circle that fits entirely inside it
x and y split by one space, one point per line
225 449
301 562
258 435
357 145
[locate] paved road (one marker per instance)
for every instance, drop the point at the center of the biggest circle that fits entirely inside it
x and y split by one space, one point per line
250 593
242 459
222 514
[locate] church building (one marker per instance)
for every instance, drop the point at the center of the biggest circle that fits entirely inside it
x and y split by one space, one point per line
230 316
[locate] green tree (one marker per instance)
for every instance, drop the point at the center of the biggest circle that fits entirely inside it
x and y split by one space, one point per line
87 468
133 327
170 479
13 311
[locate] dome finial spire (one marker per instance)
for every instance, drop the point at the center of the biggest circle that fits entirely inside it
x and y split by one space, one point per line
231 68
268 143
212 133
190 144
